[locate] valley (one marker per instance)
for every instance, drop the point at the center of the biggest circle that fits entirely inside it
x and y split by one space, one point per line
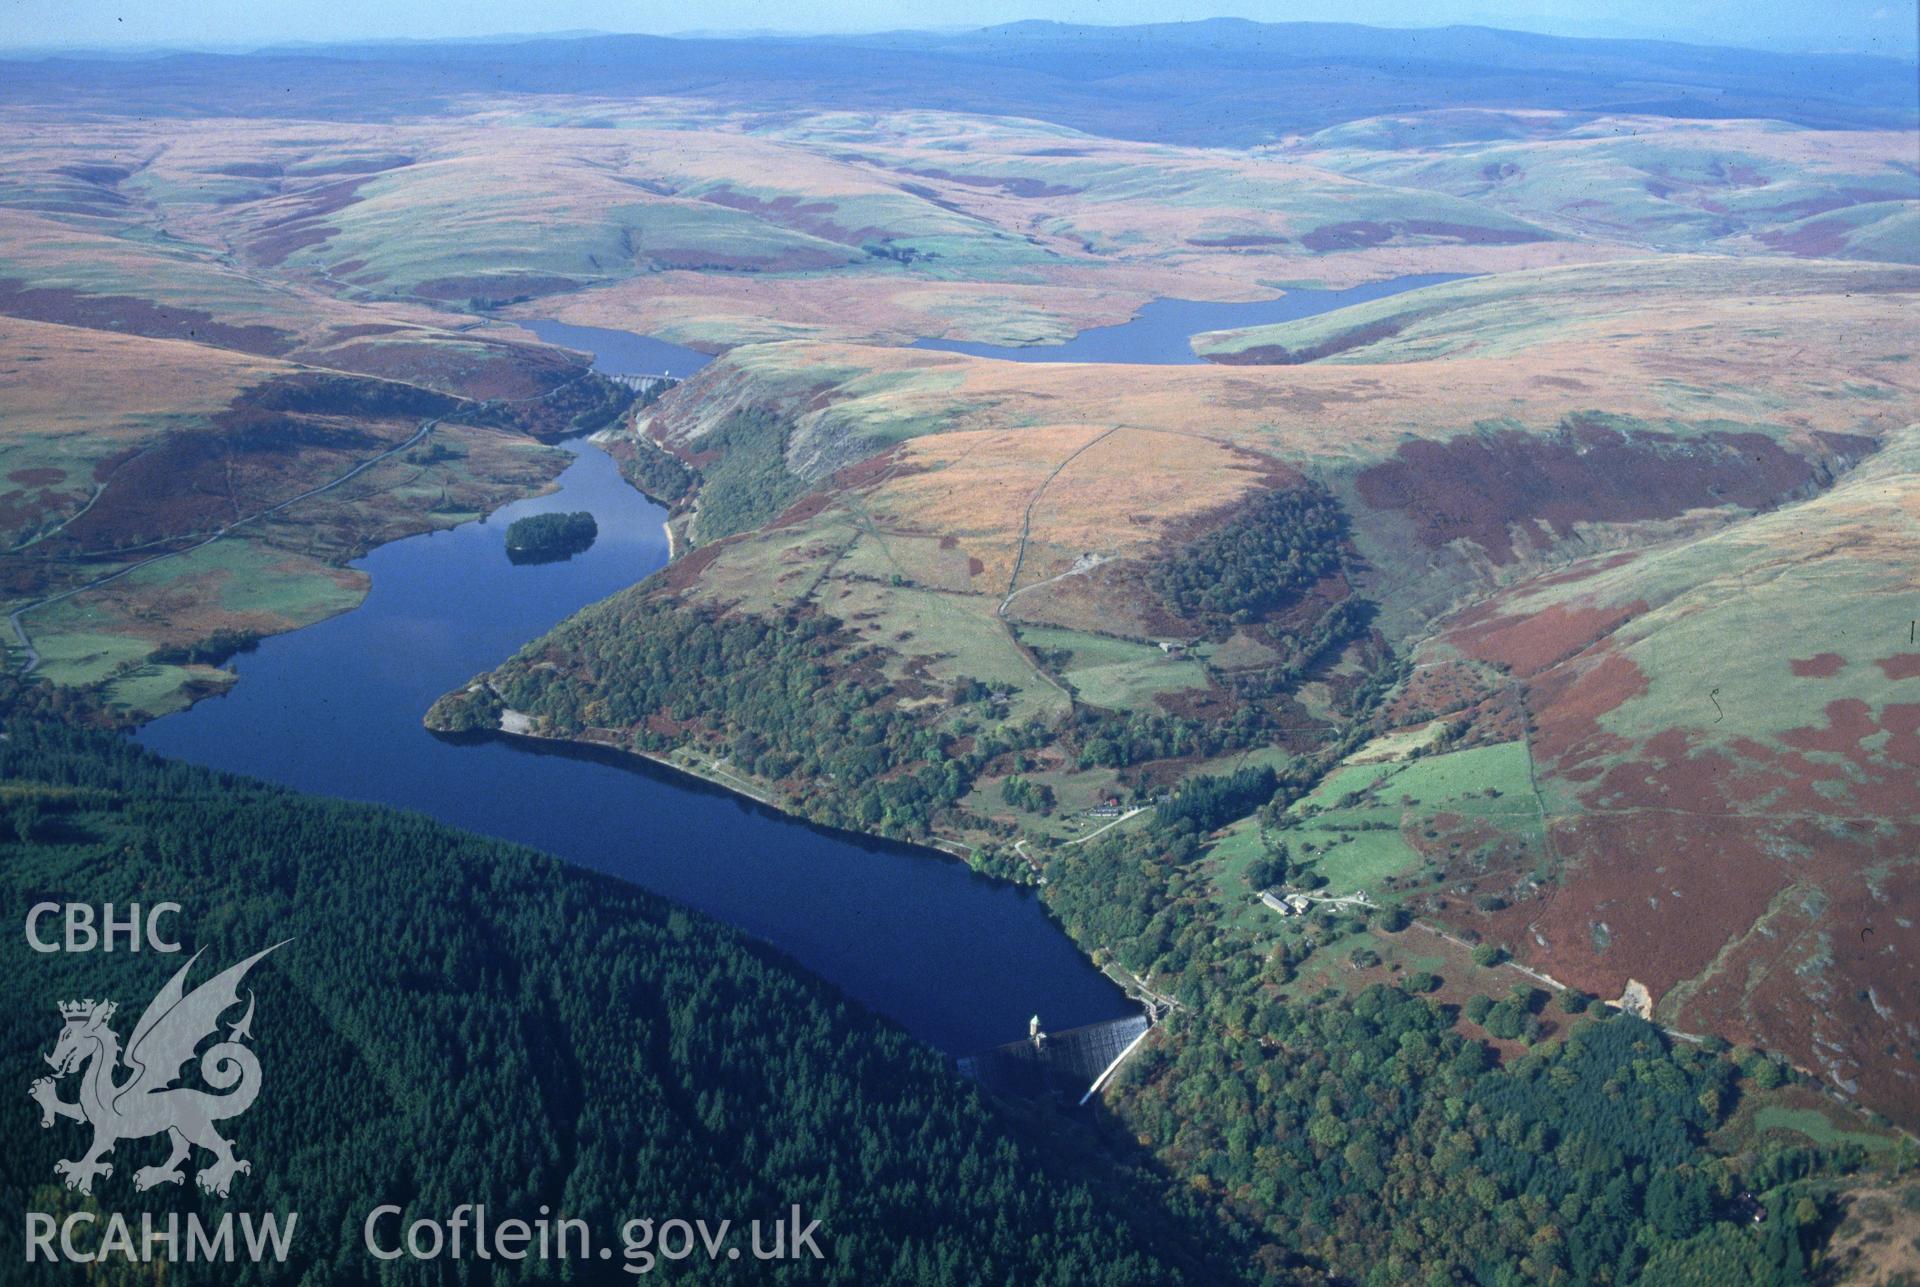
1412 578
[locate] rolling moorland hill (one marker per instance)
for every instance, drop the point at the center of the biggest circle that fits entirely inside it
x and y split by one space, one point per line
1668 185
376 263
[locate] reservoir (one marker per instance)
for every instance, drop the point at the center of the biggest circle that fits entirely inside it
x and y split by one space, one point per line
1160 332
622 352
959 960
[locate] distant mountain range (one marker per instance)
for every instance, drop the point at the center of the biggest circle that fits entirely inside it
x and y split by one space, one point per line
1224 81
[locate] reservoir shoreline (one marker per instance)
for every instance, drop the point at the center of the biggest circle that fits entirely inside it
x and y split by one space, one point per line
632 760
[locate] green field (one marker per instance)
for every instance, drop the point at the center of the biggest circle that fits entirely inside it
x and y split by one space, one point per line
1350 826
1230 858
1815 1125
1116 673
106 635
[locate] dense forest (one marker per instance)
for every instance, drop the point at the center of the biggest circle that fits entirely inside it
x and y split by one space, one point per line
460 1020
1380 1146
749 482
545 538
657 473
1212 800
1265 555
760 692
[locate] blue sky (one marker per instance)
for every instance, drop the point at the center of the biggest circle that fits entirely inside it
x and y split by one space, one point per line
1853 26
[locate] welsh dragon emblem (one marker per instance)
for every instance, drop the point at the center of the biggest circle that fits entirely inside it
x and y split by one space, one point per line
146 1101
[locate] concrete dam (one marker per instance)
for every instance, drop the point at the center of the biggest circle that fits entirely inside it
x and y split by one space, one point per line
1067 1066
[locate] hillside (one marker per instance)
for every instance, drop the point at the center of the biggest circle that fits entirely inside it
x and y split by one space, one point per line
324 245
290 303
974 564
1724 737
528 1035
158 396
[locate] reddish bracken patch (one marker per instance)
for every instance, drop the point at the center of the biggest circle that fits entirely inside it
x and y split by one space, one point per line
801 510
1786 931
684 572
303 224
1590 568
1569 704
1486 487
891 463
812 217
1905 665
1647 902
1528 644
36 477
195 478
1820 237
130 315
1848 720
1435 688
1753 883
1479 710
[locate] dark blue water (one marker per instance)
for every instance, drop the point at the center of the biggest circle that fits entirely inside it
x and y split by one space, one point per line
1161 332
622 352
336 708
